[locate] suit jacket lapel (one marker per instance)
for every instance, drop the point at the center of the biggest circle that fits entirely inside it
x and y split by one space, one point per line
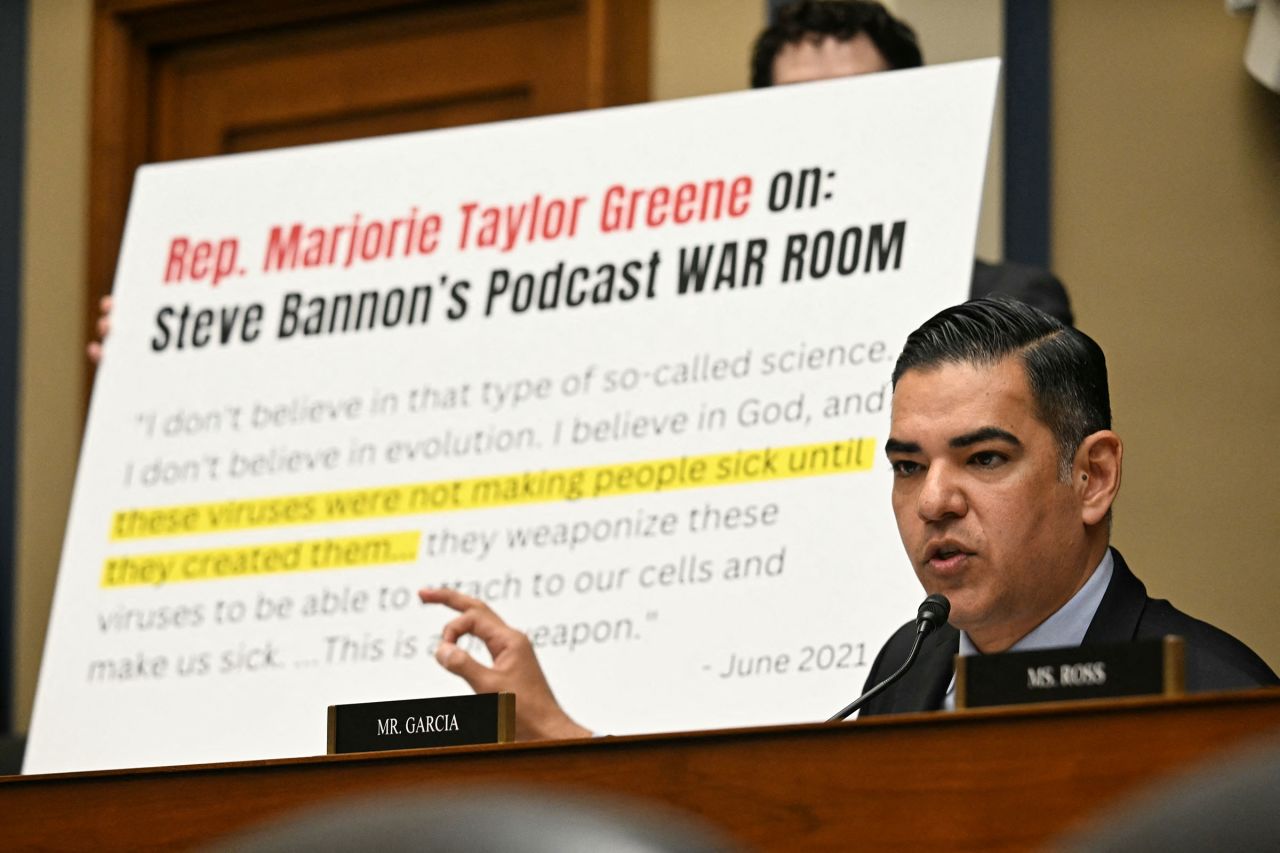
1117 618
925 685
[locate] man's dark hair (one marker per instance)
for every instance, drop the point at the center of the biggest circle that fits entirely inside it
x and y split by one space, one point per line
1066 368
840 19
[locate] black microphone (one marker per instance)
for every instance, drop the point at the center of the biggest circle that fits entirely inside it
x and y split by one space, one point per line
932 614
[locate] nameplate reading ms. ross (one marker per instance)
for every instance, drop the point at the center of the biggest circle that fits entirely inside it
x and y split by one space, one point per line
419 723
1141 668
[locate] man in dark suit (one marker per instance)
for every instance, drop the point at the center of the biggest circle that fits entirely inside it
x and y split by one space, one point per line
823 39
1005 470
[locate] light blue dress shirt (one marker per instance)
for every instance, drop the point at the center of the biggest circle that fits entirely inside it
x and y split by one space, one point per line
1066 627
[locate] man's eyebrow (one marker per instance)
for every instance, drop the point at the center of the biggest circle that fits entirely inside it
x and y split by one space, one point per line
892 445
985 434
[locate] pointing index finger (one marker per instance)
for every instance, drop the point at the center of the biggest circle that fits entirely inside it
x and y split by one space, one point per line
449 598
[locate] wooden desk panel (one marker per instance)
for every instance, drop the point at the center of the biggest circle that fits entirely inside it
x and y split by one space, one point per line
1003 779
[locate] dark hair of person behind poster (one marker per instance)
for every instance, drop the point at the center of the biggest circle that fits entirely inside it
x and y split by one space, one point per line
840 19
1066 369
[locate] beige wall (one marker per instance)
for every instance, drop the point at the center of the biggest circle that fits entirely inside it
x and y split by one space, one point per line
1167 231
687 61
53 273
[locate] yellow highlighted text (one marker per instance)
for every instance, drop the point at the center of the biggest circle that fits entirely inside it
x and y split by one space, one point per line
530 487
309 556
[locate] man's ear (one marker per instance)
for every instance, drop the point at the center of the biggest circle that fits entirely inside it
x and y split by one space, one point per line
1096 474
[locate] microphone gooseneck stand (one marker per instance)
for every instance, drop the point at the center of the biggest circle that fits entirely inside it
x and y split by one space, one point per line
933 614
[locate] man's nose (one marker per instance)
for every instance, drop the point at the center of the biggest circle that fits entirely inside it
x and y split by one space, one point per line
941 496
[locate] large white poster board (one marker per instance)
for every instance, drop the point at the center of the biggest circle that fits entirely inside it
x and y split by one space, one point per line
624 374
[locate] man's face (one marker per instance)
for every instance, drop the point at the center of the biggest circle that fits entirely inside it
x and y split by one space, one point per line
826 58
982 511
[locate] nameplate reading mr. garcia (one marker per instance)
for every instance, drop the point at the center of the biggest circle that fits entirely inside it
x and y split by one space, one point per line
419 723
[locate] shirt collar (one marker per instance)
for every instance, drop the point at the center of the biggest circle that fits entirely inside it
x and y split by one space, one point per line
1066 627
